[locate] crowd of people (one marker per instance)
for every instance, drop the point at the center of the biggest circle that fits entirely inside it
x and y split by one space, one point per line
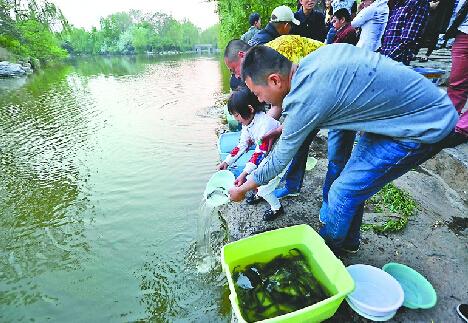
345 70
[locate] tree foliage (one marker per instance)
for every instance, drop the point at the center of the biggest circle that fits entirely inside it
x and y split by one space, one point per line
137 32
210 35
28 28
40 42
234 15
38 29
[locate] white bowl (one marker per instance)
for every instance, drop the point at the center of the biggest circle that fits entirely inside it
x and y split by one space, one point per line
216 191
377 293
368 316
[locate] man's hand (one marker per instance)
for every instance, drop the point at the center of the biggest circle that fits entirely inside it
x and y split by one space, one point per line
237 193
271 136
240 179
222 166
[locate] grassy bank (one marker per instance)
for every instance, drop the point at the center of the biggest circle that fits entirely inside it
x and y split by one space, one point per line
393 203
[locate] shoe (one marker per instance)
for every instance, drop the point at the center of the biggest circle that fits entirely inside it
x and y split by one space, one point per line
462 310
453 140
322 216
322 219
270 215
253 199
283 192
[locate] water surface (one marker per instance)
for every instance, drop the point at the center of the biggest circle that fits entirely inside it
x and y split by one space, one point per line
103 162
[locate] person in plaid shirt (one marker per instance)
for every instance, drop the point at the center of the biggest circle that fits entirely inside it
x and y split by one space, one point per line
405 26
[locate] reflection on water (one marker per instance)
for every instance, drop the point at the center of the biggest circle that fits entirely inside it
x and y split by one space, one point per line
102 165
41 228
13 83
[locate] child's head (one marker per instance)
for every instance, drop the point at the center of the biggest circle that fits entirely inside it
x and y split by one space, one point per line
340 18
243 105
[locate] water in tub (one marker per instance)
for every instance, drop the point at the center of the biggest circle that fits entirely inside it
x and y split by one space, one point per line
283 285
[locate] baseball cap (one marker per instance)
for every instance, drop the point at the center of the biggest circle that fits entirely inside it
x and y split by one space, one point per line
253 18
283 14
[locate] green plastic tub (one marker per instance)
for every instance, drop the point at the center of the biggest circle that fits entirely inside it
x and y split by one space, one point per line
325 266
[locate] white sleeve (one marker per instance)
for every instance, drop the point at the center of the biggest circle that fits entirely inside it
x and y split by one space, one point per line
363 16
241 148
266 124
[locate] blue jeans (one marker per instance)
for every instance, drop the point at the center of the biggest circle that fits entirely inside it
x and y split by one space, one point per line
295 174
375 161
340 145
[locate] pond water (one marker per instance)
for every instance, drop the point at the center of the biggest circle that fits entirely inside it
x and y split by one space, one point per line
103 163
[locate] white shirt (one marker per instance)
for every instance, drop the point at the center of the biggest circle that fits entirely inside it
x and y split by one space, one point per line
372 20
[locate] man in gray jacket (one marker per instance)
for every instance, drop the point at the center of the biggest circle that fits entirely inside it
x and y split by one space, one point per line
405 120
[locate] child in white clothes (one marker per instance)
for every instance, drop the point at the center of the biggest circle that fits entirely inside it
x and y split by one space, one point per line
244 106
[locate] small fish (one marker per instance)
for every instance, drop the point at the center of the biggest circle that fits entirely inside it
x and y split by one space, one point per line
218 189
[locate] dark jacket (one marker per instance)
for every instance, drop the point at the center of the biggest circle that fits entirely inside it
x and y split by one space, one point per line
235 83
264 36
439 18
312 26
452 31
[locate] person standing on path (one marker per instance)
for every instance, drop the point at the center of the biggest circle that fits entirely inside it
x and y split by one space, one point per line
458 80
281 22
312 22
405 26
349 5
255 24
372 19
440 12
404 118
345 33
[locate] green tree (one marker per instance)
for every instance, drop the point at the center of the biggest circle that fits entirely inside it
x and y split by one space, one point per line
124 44
112 26
210 35
80 41
170 35
28 28
7 24
97 41
141 37
39 42
234 15
190 34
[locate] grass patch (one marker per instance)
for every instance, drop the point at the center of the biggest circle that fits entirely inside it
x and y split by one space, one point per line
392 200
